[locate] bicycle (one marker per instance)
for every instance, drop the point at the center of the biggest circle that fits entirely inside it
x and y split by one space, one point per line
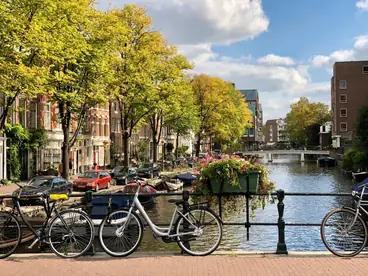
69 233
125 227
352 231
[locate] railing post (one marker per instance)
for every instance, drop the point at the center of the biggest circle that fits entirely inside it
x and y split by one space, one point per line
185 223
88 201
281 245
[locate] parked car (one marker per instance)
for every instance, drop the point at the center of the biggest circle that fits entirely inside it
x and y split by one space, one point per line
148 169
44 184
92 180
123 175
190 162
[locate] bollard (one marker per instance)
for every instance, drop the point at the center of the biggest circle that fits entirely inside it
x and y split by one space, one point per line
281 245
88 201
185 223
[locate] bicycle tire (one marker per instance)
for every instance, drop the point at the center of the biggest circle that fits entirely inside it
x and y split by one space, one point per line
215 218
101 237
16 241
359 219
91 233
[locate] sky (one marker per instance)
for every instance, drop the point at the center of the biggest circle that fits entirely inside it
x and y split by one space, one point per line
285 48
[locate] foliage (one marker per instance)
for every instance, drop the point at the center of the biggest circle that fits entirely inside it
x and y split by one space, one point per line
354 159
4 181
361 130
141 147
19 138
182 151
223 112
37 138
228 168
304 115
169 147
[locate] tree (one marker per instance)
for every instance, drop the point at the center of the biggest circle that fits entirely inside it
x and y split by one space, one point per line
23 50
302 116
361 130
81 76
222 110
135 86
172 87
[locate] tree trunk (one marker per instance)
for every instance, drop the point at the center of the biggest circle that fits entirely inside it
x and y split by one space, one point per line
65 115
154 150
198 146
126 148
176 145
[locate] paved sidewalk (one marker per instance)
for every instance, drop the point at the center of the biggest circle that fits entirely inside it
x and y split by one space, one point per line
185 266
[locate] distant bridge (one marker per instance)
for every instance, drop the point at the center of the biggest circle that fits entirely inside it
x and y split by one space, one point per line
302 153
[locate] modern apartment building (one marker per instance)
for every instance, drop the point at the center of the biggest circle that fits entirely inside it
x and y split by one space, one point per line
349 93
253 136
275 132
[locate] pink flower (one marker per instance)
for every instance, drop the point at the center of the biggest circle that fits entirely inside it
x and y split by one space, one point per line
256 163
244 166
241 171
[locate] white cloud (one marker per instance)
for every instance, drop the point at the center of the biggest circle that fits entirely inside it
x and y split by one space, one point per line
272 59
203 21
358 52
362 5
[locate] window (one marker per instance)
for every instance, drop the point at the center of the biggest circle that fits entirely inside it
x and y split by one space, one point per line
343 98
343 112
33 115
101 128
116 106
47 118
343 126
106 128
343 84
365 69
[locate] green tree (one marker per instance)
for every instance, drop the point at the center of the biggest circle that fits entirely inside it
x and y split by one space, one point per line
361 130
23 50
302 116
135 85
82 76
222 110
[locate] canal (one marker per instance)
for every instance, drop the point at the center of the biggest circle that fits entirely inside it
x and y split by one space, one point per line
290 176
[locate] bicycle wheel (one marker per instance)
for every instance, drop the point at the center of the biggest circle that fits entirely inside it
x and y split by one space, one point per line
71 233
124 243
336 236
10 234
208 235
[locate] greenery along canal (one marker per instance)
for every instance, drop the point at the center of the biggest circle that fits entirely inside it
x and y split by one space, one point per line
290 176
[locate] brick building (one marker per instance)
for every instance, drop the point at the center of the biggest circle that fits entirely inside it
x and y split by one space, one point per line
275 132
349 87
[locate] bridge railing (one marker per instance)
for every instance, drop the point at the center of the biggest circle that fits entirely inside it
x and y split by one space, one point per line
280 244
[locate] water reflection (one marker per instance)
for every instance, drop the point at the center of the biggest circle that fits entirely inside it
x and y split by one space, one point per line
291 177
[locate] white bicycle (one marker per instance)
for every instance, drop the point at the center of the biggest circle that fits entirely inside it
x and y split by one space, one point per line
197 231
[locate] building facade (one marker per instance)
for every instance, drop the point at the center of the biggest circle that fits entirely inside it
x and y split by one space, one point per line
325 138
349 86
275 132
254 135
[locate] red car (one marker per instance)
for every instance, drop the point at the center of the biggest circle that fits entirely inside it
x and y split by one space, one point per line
92 180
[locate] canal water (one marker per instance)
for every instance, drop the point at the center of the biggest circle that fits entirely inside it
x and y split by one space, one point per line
290 176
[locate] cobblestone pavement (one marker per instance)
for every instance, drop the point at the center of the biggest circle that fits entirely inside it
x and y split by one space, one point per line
185 266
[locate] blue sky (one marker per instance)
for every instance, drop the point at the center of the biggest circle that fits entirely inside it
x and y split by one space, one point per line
283 48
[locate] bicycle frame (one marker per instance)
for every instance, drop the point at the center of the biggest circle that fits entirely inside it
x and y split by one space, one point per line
359 208
158 231
37 234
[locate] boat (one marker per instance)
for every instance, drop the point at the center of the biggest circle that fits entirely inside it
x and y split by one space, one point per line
169 185
359 176
326 161
100 203
186 178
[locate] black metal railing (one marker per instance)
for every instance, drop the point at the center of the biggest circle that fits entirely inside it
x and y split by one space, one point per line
281 247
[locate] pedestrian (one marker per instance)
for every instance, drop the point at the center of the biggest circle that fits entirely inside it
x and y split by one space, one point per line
95 167
70 167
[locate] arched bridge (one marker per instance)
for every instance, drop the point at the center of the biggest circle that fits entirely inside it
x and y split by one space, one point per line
302 153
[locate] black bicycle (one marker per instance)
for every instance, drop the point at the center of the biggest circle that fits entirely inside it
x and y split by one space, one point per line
68 233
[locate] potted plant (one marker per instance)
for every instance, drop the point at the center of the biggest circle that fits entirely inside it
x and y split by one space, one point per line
229 175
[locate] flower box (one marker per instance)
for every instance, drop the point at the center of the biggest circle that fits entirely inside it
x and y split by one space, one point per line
241 187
